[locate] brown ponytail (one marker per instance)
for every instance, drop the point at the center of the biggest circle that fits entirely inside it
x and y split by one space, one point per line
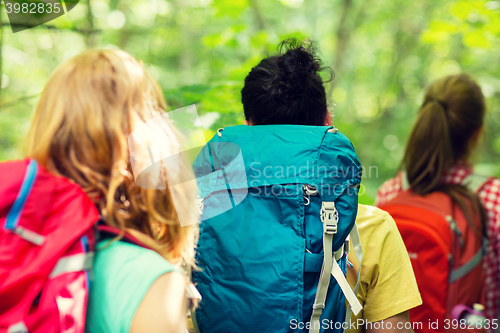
451 114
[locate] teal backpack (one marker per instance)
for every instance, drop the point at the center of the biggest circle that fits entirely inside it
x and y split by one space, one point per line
278 205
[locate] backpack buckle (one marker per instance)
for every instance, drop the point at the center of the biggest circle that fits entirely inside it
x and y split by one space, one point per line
347 244
344 249
319 306
329 217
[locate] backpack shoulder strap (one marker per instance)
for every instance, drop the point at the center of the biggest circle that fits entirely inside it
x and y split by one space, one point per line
463 270
107 232
329 217
14 214
330 266
475 182
356 244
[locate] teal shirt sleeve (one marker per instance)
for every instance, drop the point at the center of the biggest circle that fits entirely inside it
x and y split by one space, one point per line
123 273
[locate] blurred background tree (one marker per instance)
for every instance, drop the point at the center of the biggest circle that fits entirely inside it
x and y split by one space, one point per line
383 53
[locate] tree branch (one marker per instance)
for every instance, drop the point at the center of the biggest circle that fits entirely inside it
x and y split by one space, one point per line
257 14
2 36
82 31
403 47
90 36
343 36
19 100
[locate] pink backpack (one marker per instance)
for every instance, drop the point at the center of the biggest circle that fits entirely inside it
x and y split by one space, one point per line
47 237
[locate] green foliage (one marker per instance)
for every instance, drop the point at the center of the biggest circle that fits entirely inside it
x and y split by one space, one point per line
232 8
384 53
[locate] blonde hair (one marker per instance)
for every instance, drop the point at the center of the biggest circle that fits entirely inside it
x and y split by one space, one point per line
88 107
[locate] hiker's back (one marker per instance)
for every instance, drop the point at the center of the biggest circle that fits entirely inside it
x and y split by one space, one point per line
446 252
261 237
437 155
88 128
123 274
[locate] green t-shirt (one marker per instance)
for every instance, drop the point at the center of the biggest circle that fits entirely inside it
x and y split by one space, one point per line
123 273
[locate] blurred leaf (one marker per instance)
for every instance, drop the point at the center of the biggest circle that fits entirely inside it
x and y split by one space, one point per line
212 40
476 38
494 24
186 95
239 74
201 51
462 9
296 34
223 98
232 8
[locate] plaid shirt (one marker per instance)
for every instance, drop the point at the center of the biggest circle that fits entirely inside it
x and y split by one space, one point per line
490 197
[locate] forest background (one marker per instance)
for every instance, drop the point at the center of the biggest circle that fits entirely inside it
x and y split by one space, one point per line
383 52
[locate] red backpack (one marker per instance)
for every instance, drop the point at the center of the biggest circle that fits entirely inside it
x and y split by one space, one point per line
47 238
445 253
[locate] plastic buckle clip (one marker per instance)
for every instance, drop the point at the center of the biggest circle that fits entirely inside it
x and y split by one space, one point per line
347 244
344 249
318 306
329 217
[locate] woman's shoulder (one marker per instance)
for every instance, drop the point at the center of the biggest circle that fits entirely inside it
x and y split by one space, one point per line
132 265
117 258
163 306
490 195
492 184
389 189
123 274
127 253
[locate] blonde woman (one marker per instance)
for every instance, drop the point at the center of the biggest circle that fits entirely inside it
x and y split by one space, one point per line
87 110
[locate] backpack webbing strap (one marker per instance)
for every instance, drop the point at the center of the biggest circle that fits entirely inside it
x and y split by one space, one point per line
358 251
29 235
194 299
467 267
194 321
351 297
74 263
196 294
18 327
15 212
324 281
329 217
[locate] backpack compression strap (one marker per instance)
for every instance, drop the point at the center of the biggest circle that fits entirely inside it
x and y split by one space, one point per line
329 217
356 245
15 212
474 183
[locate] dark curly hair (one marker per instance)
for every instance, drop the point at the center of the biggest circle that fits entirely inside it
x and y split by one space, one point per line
287 88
